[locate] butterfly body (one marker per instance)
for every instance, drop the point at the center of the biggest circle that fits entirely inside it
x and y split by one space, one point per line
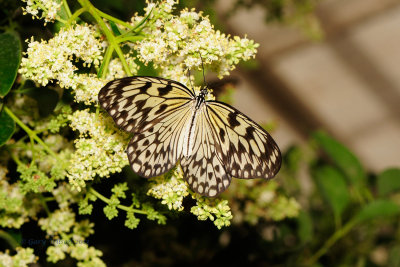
211 140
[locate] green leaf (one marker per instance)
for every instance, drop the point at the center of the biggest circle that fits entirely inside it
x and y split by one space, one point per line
342 157
46 98
10 57
7 127
305 229
143 21
377 209
114 28
332 185
388 181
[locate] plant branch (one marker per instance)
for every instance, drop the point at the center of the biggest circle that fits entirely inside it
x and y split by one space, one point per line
67 8
121 22
331 241
110 37
31 133
107 200
9 238
76 15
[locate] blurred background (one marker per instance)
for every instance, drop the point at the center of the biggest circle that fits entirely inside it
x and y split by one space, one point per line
337 68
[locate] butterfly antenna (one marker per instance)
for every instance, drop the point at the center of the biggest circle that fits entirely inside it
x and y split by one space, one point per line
202 65
190 81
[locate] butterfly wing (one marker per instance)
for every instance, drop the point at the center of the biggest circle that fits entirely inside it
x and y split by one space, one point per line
133 101
156 111
158 145
246 149
204 169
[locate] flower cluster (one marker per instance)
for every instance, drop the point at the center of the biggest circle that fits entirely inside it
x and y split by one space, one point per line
54 60
262 201
23 258
100 150
177 43
217 210
69 237
170 188
12 209
47 8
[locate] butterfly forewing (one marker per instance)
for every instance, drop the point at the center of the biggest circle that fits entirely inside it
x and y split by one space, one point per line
248 151
132 101
157 147
212 141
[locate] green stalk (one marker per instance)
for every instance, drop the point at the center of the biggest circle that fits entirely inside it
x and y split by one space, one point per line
31 133
109 35
10 239
76 15
129 38
67 8
107 200
331 241
106 61
121 22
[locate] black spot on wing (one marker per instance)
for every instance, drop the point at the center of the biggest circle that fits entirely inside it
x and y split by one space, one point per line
165 90
161 108
241 149
232 119
145 87
222 134
249 133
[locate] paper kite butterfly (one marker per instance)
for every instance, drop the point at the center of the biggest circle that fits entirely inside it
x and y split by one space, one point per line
211 140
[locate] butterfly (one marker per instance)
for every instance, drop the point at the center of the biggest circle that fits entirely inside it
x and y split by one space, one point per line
212 141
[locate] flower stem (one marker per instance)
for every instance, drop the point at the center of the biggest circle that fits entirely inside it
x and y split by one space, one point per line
9 238
67 8
331 241
75 15
106 16
107 200
129 38
31 133
104 65
110 37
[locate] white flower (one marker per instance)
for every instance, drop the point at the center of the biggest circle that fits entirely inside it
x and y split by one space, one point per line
51 60
100 150
48 8
188 39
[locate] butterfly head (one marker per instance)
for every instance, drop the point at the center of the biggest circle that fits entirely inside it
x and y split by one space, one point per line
202 96
203 92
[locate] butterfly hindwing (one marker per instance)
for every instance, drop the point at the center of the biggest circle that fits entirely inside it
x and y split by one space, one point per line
204 170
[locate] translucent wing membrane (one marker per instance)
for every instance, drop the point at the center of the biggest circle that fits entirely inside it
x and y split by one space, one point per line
135 100
247 150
